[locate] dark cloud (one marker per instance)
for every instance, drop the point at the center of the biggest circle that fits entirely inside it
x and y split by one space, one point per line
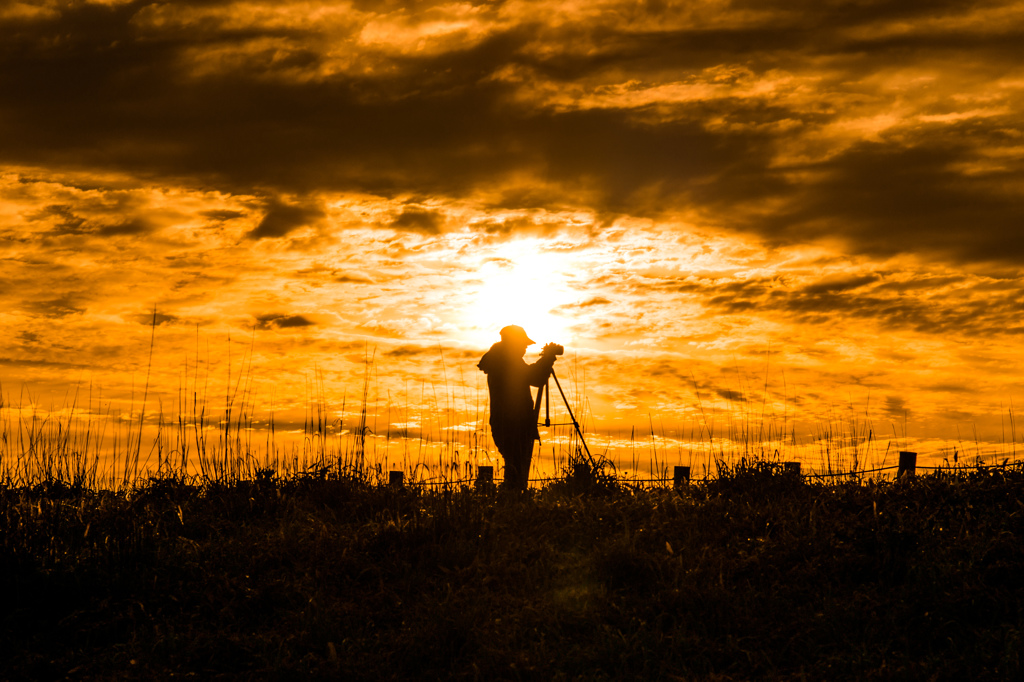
158 319
351 279
957 416
222 215
731 395
130 227
420 220
364 116
409 351
839 284
281 218
924 282
889 198
520 224
66 220
55 308
959 305
568 308
154 91
951 388
321 273
280 321
659 369
104 97
896 407
41 363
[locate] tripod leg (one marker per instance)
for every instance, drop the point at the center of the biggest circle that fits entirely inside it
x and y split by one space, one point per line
579 432
547 406
536 403
543 393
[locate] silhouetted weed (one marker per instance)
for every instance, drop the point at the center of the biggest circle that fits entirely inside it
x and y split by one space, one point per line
763 479
584 474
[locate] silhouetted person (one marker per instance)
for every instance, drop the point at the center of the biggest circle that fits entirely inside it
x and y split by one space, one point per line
513 422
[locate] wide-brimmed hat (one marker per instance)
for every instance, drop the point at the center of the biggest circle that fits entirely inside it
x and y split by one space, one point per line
514 332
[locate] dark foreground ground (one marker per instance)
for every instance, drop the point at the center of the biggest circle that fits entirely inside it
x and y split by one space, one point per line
758 575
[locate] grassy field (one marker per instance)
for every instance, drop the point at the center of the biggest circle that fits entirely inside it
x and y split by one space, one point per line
756 574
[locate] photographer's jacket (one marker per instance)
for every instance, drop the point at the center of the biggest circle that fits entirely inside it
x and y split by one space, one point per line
509 379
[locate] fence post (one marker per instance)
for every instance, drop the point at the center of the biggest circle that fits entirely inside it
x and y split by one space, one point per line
680 477
791 468
908 464
484 476
396 479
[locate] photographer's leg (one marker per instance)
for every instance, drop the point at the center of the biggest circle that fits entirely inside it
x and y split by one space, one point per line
526 461
507 447
518 462
516 449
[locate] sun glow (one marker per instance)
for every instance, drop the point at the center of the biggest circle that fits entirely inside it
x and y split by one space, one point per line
522 286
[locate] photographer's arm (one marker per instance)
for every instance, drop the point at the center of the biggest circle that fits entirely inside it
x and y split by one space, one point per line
539 371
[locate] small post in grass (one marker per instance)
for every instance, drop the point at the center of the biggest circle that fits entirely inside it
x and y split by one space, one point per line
484 477
680 477
908 464
396 479
791 468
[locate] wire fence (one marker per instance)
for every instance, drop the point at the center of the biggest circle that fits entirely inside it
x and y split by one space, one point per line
670 481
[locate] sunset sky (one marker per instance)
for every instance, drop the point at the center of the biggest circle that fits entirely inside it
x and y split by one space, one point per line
810 211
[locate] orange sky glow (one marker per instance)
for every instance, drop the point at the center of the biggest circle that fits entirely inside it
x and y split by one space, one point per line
769 223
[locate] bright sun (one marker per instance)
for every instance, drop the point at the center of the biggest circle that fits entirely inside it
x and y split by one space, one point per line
524 287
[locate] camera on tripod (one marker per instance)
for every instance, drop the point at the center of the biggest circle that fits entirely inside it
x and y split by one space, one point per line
553 349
